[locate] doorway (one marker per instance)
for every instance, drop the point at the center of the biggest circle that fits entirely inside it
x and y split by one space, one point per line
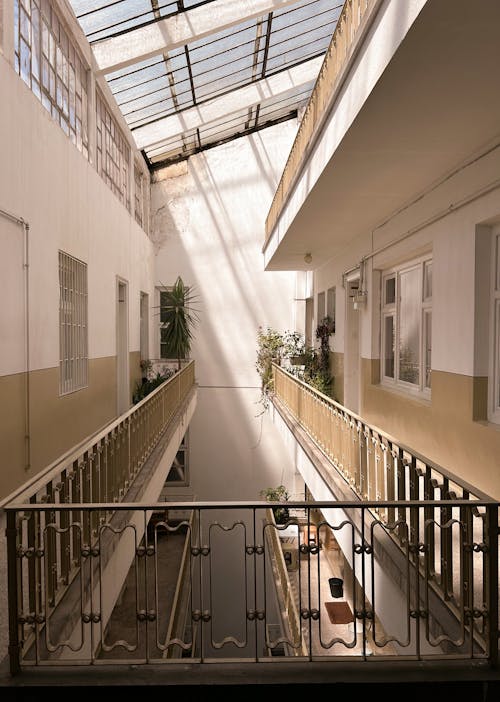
352 359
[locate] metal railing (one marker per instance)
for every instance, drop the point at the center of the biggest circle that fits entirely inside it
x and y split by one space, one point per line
380 469
351 19
223 570
103 469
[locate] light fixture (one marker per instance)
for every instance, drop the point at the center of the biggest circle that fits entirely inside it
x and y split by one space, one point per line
359 299
308 258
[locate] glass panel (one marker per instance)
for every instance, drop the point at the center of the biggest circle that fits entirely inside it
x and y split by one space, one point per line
389 347
409 323
427 347
390 291
427 280
330 303
497 276
25 62
321 305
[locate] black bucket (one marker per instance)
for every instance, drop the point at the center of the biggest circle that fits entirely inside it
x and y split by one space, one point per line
336 587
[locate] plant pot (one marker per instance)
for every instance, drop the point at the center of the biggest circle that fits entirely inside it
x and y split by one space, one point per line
298 360
336 587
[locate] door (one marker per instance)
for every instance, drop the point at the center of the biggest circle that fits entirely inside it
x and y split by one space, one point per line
352 360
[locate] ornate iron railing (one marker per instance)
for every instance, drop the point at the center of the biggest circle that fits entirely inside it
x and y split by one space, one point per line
219 564
103 469
380 469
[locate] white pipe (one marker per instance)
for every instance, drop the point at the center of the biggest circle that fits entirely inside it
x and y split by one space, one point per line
27 415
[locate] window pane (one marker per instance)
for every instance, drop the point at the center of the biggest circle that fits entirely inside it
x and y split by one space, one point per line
409 325
389 347
497 277
390 291
330 303
321 306
427 347
428 280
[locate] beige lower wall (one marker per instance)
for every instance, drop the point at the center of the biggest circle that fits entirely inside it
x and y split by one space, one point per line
56 423
444 429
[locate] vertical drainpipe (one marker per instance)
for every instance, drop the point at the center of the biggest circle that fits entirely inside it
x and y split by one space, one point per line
27 416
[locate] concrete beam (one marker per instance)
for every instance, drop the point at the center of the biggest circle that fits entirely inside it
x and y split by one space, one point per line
178 30
275 86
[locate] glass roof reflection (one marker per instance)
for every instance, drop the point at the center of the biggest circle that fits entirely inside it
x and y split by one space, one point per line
196 74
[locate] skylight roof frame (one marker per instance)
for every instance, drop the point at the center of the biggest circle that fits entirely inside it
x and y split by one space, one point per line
182 87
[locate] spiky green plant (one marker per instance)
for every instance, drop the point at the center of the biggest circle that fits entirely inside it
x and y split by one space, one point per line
178 317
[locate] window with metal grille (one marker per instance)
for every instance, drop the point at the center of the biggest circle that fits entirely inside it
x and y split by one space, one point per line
73 327
49 63
113 152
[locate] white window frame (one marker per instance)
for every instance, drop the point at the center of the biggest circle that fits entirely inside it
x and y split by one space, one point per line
393 309
73 324
158 290
494 375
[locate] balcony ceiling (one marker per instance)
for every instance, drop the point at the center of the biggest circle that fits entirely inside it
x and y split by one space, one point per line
191 74
436 105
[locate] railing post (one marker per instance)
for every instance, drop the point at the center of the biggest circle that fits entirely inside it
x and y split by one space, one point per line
13 594
492 599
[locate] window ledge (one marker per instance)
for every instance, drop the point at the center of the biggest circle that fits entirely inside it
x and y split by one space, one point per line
419 397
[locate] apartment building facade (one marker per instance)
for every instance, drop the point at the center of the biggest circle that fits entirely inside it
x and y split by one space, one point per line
377 203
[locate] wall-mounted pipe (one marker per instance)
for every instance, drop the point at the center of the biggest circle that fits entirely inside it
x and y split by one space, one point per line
27 413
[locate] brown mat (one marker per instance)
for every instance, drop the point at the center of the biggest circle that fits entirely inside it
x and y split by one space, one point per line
339 612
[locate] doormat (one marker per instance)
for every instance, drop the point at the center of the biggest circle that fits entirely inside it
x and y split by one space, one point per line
339 612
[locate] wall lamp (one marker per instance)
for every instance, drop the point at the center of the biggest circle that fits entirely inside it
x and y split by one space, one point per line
308 258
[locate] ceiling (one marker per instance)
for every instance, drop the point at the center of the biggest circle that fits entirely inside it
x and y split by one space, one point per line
188 75
433 110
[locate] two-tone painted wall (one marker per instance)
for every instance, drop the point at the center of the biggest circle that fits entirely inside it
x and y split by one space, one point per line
47 182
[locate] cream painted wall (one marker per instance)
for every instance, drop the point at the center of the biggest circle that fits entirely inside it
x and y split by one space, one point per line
48 183
45 180
390 26
208 223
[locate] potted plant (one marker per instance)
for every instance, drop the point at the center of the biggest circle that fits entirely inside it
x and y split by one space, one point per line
269 350
294 348
278 494
178 317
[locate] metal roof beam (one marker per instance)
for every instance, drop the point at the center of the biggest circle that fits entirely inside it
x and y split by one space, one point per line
234 101
144 42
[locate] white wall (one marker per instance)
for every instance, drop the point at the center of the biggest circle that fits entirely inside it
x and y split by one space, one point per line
46 181
208 221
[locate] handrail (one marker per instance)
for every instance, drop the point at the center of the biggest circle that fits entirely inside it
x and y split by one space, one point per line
439 618
350 24
283 383
162 400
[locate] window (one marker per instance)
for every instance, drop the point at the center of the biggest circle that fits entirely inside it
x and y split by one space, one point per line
407 326
49 63
138 196
179 470
495 326
321 306
113 153
330 304
73 329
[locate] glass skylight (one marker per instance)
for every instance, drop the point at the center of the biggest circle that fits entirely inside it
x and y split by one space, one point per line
210 72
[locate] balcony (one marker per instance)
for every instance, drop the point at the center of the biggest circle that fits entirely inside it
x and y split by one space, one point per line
385 123
98 585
